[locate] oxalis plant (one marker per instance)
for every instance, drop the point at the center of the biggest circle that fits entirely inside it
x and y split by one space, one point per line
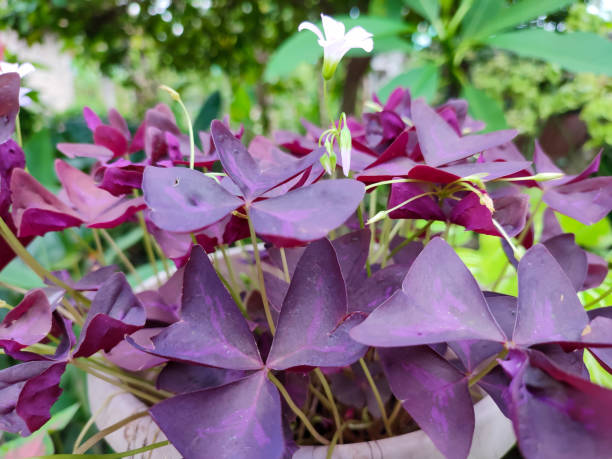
342 312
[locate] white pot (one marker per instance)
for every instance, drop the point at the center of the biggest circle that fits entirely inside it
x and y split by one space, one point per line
493 435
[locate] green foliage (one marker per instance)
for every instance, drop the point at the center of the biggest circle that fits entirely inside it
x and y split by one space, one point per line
483 107
422 81
210 110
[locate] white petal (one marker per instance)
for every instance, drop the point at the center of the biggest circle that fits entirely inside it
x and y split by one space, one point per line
334 51
24 99
346 161
25 69
358 37
7 67
313 28
334 30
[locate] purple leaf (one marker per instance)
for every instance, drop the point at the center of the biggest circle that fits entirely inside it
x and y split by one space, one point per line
440 144
115 312
511 209
211 330
557 414
587 201
86 150
292 255
253 175
111 138
571 258
425 207
352 250
238 420
182 378
92 120
308 213
376 289
27 392
312 330
183 200
548 307
28 323
126 356
435 394
414 316
9 104
11 158
603 355
597 270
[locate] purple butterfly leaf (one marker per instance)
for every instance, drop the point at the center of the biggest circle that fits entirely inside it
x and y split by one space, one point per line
313 327
414 316
115 312
240 419
182 378
9 104
435 394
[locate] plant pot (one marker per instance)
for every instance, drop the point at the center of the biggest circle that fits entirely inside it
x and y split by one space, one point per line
493 435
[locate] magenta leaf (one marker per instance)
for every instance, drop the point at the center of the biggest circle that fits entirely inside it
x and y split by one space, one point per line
115 312
587 201
86 150
435 394
312 330
414 316
27 392
548 308
571 258
603 355
237 420
9 104
182 378
111 138
28 323
184 200
376 289
352 250
307 213
211 330
254 176
439 142
557 414
126 356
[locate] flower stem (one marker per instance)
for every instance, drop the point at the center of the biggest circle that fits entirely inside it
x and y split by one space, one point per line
124 259
285 266
486 370
96 236
92 419
230 268
109 430
149 247
599 298
130 379
381 405
18 131
262 287
330 397
317 436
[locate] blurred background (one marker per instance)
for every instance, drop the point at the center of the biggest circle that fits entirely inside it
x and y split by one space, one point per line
543 67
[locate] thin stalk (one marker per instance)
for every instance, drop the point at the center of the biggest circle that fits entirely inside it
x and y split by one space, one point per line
521 237
285 265
262 287
408 240
124 259
92 419
130 379
383 214
317 436
80 241
507 238
31 262
379 402
13 288
320 395
599 298
149 247
391 182
330 397
75 314
486 370
109 430
230 268
501 276
335 438
143 395
98 242
162 257
235 296
177 97
5 305
395 411
360 215
18 131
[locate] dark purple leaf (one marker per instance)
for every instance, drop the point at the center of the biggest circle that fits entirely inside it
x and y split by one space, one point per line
308 213
414 316
256 176
291 254
548 308
376 289
587 201
27 392
435 394
352 250
238 420
312 330
111 138
211 330
597 270
85 150
570 257
440 144
182 378
603 355
115 312
28 323
408 253
425 207
126 356
511 209
184 200
557 414
9 104
11 158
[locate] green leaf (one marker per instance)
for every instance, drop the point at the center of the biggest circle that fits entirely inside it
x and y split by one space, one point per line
422 81
479 15
39 151
61 419
513 15
484 108
17 274
209 111
597 373
598 235
576 52
34 445
429 9
302 47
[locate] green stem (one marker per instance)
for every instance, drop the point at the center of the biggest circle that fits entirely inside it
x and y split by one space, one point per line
18 131
285 265
233 293
109 430
525 231
262 287
379 402
407 241
330 397
599 298
130 379
335 438
395 412
162 257
486 370
96 236
299 413
124 259
230 268
149 247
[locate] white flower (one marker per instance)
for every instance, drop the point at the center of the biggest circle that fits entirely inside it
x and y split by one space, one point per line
22 70
336 43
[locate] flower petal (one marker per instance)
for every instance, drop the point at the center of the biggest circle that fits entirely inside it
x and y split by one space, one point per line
313 28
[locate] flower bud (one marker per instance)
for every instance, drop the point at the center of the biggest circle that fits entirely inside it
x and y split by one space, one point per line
345 149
